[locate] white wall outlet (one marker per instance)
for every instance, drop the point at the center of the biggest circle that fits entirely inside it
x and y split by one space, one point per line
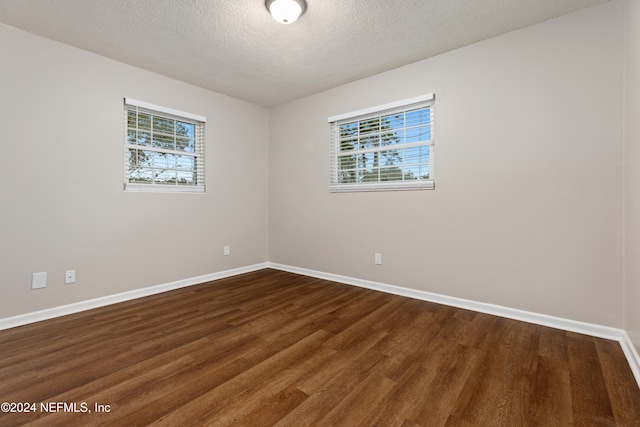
226 251
70 276
377 258
39 280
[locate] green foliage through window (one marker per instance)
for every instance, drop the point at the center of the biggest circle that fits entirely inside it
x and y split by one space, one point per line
162 149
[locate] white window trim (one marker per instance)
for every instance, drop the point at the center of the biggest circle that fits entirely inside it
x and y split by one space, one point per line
165 110
173 113
161 188
427 184
380 108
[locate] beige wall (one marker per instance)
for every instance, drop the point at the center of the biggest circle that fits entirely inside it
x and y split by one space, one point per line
63 206
632 173
527 211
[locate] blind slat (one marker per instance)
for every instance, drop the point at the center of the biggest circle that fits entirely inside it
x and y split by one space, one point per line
384 150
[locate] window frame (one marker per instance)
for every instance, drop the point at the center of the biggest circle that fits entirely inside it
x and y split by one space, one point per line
198 147
379 112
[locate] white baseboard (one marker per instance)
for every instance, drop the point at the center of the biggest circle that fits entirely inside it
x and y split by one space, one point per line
497 310
50 313
632 355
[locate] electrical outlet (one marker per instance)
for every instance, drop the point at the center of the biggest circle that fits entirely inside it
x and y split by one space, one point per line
377 258
39 280
70 276
226 251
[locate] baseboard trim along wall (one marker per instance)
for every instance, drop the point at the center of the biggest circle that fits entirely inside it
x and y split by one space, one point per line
50 313
497 310
540 319
632 355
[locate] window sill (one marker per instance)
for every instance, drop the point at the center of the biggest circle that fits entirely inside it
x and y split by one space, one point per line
159 188
383 186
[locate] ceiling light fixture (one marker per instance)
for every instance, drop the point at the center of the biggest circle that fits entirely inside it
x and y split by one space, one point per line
286 11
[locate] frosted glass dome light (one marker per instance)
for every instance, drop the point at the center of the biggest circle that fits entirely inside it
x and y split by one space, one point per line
286 11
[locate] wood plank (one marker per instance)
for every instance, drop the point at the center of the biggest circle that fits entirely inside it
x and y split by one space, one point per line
333 390
480 401
589 395
624 393
552 394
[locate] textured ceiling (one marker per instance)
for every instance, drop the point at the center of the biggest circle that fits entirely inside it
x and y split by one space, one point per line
234 46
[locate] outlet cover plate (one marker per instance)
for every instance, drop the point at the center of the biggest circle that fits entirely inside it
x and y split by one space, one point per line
70 276
39 280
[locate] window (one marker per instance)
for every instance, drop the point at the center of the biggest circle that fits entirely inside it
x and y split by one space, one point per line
389 147
164 149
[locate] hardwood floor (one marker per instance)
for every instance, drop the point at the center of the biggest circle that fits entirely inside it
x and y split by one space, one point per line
274 348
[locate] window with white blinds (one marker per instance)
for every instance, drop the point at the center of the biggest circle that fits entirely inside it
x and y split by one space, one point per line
164 149
389 147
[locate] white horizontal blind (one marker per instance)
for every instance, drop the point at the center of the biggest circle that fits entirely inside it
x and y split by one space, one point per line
384 148
164 149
